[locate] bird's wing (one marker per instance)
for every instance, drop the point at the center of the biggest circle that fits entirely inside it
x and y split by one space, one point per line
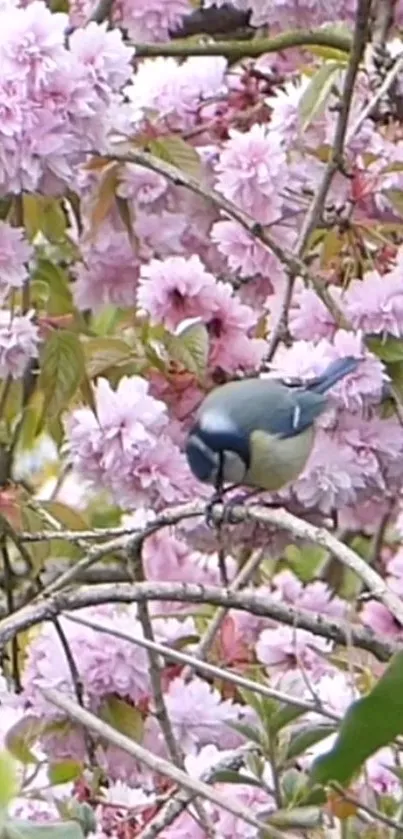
293 414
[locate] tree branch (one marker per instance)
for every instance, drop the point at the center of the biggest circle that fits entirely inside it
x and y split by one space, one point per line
235 50
246 601
196 665
176 805
154 762
135 564
293 263
282 519
360 37
315 212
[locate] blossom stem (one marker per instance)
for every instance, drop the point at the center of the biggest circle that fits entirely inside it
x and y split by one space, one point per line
235 50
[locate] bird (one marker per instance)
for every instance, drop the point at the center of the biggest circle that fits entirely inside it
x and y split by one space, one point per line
257 432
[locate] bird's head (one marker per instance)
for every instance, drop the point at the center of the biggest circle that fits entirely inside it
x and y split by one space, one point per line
216 442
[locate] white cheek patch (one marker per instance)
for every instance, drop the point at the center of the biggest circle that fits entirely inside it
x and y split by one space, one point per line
234 468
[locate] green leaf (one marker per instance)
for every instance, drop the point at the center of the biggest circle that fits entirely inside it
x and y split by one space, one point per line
190 347
175 150
293 786
60 296
256 702
248 731
389 349
9 786
370 723
231 776
299 818
303 740
122 716
71 519
103 353
62 369
21 736
65 771
78 811
16 829
305 560
318 91
285 715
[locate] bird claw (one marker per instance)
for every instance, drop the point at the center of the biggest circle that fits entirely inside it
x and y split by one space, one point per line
228 506
216 498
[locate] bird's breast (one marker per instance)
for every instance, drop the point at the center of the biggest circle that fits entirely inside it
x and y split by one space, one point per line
276 462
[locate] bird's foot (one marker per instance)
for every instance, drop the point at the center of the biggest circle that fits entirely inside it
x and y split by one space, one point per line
216 498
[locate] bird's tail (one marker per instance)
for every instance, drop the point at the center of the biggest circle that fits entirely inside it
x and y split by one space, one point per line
336 371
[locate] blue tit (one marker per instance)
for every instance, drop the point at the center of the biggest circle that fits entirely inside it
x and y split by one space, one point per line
259 432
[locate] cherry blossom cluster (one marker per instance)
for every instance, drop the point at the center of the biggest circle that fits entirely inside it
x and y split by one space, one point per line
144 255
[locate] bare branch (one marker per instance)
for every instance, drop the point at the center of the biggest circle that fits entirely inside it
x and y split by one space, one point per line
246 601
242 578
383 21
176 805
315 212
235 50
378 95
293 263
135 564
360 37
265 516
319 536
155 763
196 665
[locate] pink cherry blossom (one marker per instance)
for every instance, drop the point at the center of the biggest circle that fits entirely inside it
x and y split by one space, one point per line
250 170
310 320
375 304
125 447
197 712
174 289
230 324
19 342
285 648
108 273
15 253
378 618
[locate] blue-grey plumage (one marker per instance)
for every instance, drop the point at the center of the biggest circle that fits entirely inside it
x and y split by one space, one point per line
259 432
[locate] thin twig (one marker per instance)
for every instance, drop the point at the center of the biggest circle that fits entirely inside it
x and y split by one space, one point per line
335 163
135 564
101 12
383 21
122 543
9 592
156 763
206 642
176 805
365 808
316 208
376 98
264 516
198 666
261 234
77 684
